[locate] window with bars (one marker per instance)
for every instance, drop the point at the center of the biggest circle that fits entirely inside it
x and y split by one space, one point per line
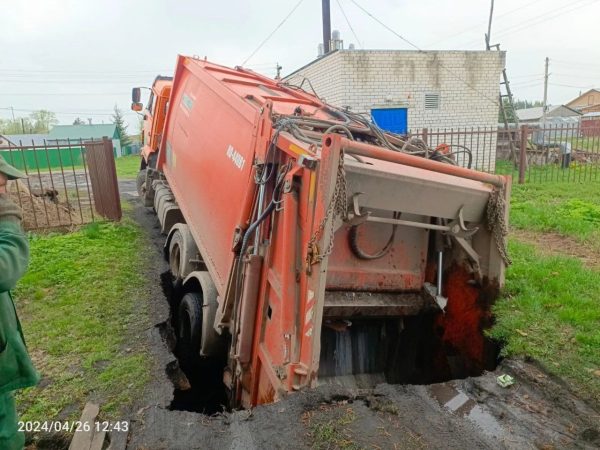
432 101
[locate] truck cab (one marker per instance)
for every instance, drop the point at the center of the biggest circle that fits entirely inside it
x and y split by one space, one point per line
154 113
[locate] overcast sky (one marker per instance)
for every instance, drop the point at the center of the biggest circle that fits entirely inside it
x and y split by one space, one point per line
81 57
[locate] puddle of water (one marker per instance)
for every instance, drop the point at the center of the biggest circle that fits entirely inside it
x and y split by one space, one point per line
459 403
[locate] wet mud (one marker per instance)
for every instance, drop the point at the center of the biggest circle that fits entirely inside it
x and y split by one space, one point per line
538 411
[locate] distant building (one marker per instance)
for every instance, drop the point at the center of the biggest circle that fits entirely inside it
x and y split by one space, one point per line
62 133
590 124
10 140
404 90
587 102
535 114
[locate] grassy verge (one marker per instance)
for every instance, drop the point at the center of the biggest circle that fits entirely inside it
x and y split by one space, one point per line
128 166
80 307
551 312
572 209
551 308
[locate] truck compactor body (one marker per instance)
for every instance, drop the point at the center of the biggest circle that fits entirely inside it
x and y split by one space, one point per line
309 246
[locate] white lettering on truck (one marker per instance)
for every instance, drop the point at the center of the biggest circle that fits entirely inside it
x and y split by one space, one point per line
238 160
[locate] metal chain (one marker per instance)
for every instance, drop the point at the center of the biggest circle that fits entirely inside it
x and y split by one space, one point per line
338 207
496 222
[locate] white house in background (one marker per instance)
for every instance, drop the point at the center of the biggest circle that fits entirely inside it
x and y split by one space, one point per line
404 90
535 114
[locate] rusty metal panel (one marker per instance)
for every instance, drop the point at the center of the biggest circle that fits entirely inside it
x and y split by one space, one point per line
100 161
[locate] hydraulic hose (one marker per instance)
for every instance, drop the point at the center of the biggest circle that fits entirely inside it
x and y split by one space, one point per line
360 254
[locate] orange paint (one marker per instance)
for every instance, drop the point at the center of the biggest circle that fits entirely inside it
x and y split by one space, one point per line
467 314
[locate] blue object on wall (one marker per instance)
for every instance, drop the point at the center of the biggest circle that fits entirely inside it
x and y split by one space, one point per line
391 119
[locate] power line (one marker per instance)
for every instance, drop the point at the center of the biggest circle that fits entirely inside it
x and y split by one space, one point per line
273 32
385 26
549 15
526 76
90 112
85 94
561 62
498 17
74 81
349 24
92 72
571 86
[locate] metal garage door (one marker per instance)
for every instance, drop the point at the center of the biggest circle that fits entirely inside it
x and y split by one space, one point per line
391 119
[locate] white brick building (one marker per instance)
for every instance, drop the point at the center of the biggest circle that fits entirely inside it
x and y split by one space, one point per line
414 89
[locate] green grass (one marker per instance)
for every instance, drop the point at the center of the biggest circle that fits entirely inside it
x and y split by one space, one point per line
551 312
553 173
128 166
81 307
551 309
329 429
572 209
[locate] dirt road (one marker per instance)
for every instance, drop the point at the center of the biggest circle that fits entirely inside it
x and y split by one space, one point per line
538 411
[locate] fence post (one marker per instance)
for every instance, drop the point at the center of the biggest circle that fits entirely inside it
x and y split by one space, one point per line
424 135
523 154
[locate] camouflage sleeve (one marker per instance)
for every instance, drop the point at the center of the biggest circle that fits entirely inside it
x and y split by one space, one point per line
14 248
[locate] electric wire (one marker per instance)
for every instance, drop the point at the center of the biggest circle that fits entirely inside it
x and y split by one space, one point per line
273 32
548 15
349 24
499 16
457 77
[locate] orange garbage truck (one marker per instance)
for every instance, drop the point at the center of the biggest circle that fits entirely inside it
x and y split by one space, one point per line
309 246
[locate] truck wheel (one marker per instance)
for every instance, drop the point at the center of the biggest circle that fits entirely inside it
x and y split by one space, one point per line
190 326
183 255
142 189
176 255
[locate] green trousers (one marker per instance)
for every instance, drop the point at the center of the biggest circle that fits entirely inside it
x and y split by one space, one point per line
10 437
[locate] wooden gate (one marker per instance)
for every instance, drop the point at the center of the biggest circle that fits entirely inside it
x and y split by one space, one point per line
103 175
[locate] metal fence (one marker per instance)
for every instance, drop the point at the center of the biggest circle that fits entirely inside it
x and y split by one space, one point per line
58 191
473 147
531 153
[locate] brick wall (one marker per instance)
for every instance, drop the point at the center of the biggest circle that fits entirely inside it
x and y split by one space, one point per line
467 83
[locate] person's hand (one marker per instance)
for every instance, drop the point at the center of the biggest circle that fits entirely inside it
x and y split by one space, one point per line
3 181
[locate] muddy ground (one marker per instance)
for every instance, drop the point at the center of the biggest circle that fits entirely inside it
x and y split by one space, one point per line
538 411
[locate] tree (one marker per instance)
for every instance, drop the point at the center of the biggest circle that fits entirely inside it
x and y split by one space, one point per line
121 127
19 125
519 104
43 120
79 121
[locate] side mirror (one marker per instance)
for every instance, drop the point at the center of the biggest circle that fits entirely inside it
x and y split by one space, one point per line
136 95
137 106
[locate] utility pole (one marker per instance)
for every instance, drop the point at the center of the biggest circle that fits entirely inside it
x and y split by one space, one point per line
278 76
23 125
545 109
326 6
13 113
488 36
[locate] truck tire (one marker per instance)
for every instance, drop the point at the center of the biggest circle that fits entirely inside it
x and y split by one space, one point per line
142 190
182 254
189 331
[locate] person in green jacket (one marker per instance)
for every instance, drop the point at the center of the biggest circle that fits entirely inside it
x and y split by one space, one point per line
16 368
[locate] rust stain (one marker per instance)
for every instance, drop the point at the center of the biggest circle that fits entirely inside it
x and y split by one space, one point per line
467 315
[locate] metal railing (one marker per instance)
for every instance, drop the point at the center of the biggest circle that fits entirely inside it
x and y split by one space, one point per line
552 153
58 191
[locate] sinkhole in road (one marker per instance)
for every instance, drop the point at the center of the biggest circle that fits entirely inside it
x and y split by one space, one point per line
429 348
198 382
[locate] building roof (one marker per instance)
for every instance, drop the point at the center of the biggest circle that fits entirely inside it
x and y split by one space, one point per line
591 114
537 112
94 131
26 139
396 51
582 95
